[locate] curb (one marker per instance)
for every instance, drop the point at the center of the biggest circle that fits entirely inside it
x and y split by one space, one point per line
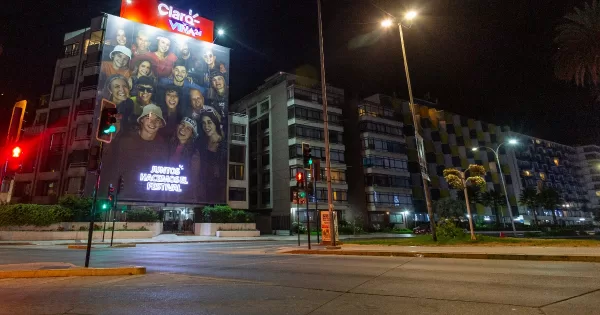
78 246
16 244
576 258
76 272
175 242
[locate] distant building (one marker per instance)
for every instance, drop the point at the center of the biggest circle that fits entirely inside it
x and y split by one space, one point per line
589 174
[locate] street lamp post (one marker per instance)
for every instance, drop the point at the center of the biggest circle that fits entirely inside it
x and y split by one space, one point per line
511 142
387 23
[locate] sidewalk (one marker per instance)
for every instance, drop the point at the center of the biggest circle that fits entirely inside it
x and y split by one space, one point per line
582 254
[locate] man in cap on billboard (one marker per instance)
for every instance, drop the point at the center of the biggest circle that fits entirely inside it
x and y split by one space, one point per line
118 64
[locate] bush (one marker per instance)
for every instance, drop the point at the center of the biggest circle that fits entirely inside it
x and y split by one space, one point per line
224 214
80 207
33 214
447 229
142 215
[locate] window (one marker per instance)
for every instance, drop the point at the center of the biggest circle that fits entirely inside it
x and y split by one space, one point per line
383 145
74 185
380 180
71 50
389 199
86 104
238 132
556 161
89 81
542 176
236 172
67 75
313 133
237 194
79 156
369 109
253 112
385 162
266 178
265 159
265 197
336 194
310 114
237 154
377 217
396 217
526 173
58 117
62 92
94 41
367 126
264 107
48 188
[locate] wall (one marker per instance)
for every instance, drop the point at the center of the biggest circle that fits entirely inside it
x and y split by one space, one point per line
210 229
155 228
279 151
69 235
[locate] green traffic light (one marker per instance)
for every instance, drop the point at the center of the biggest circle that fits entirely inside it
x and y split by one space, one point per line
310 162
302 194
110 129
104 206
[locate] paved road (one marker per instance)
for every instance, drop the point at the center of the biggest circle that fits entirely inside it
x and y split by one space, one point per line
249 278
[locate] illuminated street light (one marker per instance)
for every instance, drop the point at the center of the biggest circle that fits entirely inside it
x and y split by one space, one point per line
386 23
510 142
220 32
410 15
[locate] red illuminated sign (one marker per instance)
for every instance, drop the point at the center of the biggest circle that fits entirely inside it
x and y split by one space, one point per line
158 14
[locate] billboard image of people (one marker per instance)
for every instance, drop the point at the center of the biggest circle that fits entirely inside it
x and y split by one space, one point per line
171 93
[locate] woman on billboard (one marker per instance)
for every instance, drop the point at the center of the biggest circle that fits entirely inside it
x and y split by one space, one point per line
141 68
182 151
162 59
213 151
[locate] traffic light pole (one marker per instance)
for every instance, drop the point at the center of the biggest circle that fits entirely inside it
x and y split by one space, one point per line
298 215
113 209
307 211
317 214
93 212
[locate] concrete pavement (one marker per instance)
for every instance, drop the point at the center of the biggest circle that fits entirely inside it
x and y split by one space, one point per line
251 278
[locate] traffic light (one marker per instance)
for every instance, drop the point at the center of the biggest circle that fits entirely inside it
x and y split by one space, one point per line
107 121
111 193
104 205
301 194
309 188
300 180
14 160
121 185
306 155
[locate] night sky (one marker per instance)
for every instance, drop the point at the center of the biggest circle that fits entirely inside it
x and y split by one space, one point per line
490 60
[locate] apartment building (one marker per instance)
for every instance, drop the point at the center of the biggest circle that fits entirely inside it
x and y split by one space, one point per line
380 184
588 171
283 113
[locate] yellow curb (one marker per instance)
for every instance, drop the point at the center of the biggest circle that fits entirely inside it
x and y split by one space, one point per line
575 258
124 245
78 246
76 272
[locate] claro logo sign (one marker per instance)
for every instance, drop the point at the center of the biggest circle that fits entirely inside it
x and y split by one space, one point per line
181 22
166 17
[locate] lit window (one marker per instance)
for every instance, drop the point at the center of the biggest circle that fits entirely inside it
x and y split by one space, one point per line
598 193
527 173
556 161
542 176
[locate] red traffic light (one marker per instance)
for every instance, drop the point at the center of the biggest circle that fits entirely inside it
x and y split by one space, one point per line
16 152
299 176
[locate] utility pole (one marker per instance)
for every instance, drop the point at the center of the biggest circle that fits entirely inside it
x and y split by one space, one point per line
93 212
326 127
307 211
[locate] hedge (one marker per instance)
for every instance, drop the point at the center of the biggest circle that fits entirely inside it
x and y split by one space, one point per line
32 214
142 215
224 214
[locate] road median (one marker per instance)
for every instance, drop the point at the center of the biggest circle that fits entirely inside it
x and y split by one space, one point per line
73 272
457 255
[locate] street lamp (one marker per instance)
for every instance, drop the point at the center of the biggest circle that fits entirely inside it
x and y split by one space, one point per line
409 16
220 32
510 142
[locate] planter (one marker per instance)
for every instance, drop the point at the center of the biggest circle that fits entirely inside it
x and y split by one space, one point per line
254 233
69 235
210 229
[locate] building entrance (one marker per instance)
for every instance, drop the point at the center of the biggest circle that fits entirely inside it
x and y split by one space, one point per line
178 221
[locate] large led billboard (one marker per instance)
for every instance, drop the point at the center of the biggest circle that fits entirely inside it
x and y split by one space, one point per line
171 92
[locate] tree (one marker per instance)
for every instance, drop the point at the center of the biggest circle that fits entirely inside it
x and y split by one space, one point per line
449 208
578 55
549 199
495 200
459 180
530 200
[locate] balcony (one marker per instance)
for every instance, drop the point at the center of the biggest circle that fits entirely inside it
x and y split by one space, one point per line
34 130
77 169
92 68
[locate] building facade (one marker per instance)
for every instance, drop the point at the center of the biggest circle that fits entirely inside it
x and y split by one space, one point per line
589 173
62 134
380 182
283 113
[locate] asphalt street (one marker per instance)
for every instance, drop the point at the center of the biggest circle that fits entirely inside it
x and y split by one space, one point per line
251 278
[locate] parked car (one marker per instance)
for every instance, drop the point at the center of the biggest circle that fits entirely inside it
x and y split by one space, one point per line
422 229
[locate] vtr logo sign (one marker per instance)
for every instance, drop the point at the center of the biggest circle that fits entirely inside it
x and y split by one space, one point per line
176 18
166 17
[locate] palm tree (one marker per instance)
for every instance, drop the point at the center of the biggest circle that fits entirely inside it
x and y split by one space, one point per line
459 180
495 200
550 199
578 55
529 198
